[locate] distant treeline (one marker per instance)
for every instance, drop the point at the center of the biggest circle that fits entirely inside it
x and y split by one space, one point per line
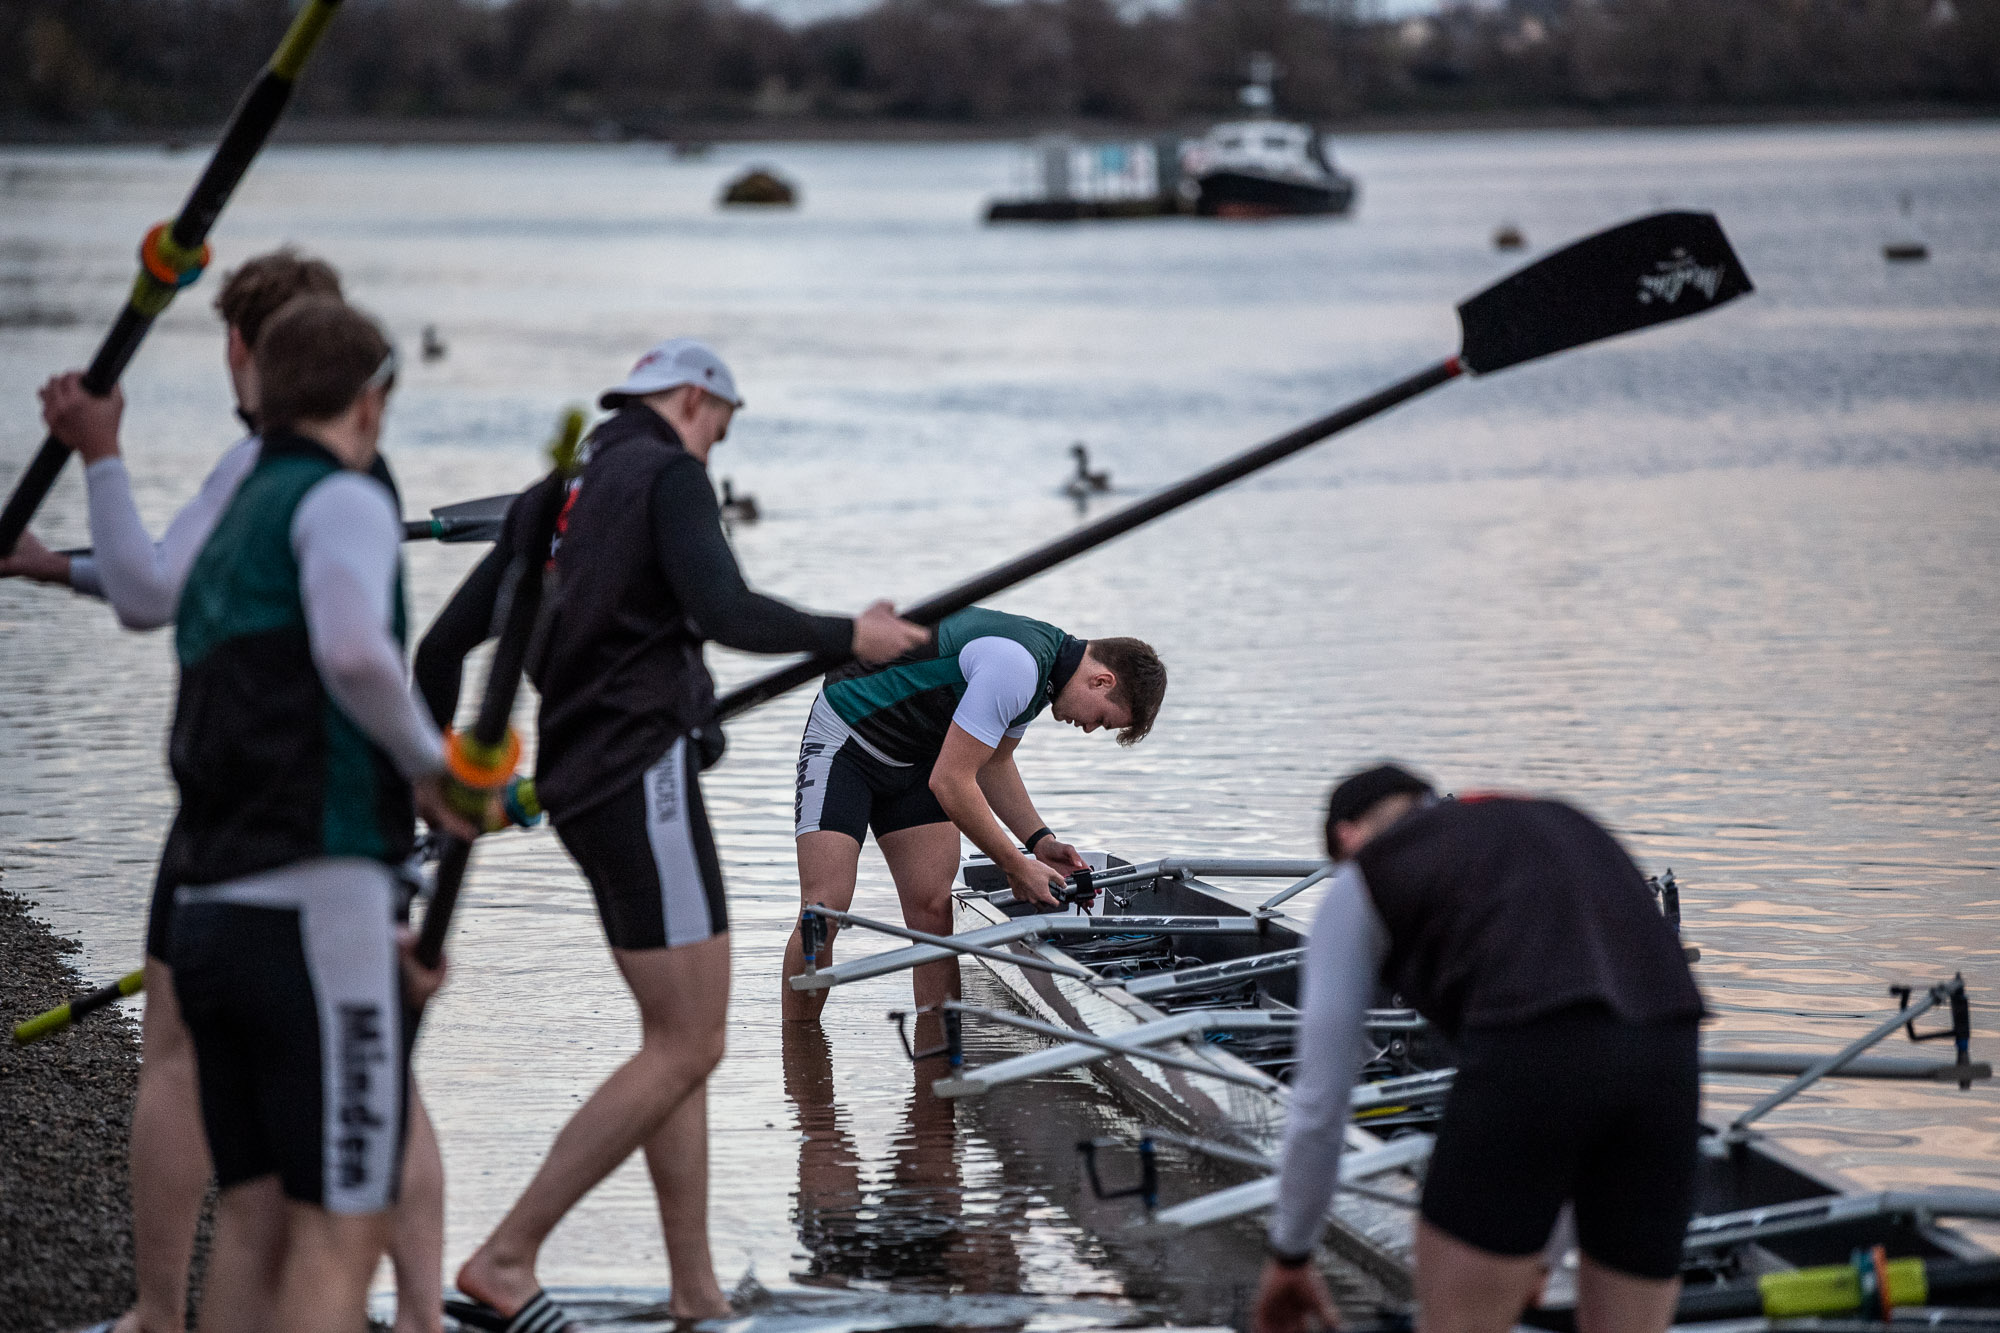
646 66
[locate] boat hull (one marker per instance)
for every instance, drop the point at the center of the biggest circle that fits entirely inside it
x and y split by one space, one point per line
1227 193
1752 1174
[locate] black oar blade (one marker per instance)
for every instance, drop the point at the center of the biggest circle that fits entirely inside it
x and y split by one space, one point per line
471 520
1648 271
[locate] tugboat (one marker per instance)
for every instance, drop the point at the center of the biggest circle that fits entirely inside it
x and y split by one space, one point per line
1263 167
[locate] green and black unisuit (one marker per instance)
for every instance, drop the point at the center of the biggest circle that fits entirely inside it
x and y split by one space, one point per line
271 771
904 709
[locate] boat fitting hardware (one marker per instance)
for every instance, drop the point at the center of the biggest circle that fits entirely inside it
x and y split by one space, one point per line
953 1045
812 937
1905 1016
946 942
1271 903
1147 1188
1166 1030
1960 1030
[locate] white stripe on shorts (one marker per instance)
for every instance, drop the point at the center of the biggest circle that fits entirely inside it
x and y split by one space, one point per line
670 833
347 924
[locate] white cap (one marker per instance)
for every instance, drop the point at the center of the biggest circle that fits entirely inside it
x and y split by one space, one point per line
669 365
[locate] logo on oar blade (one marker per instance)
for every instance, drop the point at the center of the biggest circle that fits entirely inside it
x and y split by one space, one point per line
1672 276
1675 264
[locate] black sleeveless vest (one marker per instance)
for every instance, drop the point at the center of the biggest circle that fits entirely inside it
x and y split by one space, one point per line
1502 910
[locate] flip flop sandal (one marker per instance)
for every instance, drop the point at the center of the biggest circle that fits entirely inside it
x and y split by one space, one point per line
539 1315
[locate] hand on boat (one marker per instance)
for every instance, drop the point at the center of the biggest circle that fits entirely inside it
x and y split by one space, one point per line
1290 1300
1060 855
1035 882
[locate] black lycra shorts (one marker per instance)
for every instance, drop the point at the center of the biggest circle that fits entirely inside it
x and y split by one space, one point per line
1577 1106
844 788
289 984
650 858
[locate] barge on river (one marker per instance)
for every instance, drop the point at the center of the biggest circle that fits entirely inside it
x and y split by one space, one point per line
1182 999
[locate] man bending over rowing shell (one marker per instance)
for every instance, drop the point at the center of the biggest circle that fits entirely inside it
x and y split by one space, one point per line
141 580
922 750
301 758
1525 934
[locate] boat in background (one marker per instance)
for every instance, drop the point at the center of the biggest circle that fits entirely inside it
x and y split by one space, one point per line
1263 167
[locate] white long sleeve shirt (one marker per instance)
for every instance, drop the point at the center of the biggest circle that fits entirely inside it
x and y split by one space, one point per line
348 538
1343 961
140 577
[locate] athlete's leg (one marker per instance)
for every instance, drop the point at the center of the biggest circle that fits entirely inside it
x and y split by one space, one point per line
683 996
169 1161
1608 1301
246 1262
1463 1289
922 860
329 1260
828 864
416 1245
677 1159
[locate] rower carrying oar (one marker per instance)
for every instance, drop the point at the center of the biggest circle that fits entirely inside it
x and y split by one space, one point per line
1652 270
173 254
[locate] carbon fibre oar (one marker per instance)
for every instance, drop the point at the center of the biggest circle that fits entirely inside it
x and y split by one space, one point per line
482 759
1654 269
174 253
466 521
54 1020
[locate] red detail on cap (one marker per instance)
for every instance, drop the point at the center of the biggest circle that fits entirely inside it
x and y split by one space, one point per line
1475 797
648 359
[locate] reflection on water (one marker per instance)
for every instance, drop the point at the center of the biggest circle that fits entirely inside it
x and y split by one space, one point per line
1733 585
915 1226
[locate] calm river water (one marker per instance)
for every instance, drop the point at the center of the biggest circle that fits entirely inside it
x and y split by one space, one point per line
1733 585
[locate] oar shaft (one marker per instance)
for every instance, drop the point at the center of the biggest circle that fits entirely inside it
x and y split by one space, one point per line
1075 543
248 128
522 589
60 1017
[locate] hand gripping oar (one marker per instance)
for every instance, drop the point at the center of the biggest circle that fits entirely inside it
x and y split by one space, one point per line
174 253
55 1020
483 759
1658 268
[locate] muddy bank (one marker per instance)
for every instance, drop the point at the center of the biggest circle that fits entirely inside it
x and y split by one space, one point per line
66 1104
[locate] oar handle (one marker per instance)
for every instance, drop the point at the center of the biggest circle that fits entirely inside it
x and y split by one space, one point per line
60 1017
1074 543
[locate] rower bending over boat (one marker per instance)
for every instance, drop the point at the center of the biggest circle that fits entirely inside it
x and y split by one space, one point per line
922 750
1524 932
643 576
301 760
141 580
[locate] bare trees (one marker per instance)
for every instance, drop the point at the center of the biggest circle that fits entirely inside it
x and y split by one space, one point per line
647 66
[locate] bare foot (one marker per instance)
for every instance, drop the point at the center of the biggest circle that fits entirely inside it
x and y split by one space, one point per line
504 1284
711 1304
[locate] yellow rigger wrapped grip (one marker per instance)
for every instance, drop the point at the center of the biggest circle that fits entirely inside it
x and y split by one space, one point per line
1872 1282
1830 1289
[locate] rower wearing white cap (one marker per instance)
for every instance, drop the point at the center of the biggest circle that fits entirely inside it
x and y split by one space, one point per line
643 576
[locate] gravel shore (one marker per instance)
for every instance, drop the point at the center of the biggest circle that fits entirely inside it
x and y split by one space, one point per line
66 1108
